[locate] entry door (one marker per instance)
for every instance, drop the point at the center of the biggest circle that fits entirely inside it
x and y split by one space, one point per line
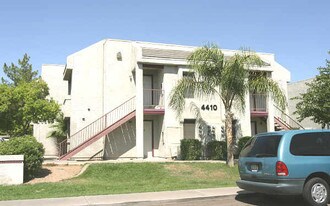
147 136
147 90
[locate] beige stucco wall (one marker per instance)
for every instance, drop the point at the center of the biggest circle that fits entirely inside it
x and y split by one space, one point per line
53 76
100 83
41 132
11 169
86 92
121 142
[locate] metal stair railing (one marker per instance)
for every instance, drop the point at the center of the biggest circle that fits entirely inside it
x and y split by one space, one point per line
96 127
280 118
281 124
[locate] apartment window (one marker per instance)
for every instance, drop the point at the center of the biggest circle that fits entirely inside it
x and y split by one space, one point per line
258 74
67 122
69 86
190 92
189 126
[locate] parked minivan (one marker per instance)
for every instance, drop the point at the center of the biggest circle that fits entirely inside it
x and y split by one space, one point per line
288 163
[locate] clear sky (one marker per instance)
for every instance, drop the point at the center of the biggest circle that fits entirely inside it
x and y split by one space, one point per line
296 31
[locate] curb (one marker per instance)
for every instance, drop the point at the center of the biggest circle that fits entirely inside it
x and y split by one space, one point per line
83 169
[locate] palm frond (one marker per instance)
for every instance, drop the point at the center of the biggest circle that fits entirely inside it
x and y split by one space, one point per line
59 127
263 85
207 63
185 86
231 78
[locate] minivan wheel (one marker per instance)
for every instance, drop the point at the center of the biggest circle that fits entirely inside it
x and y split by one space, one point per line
316 192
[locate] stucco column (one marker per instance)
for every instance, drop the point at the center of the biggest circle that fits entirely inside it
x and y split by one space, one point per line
139 111
271 114
246 125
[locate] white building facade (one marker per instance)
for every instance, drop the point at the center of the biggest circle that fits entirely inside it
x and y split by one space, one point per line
115 94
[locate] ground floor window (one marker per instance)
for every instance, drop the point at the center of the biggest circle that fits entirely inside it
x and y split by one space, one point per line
189 128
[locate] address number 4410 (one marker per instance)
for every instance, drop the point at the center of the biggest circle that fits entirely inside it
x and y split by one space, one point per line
209 107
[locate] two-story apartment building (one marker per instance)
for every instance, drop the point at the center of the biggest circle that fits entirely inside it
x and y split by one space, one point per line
115 95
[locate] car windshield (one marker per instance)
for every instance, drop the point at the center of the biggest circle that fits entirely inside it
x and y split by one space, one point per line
262 146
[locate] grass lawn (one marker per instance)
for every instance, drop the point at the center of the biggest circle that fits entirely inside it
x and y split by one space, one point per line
108 178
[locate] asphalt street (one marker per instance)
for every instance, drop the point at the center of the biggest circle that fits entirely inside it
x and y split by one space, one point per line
233 200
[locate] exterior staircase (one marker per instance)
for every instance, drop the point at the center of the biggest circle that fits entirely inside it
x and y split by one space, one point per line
281 124
97 129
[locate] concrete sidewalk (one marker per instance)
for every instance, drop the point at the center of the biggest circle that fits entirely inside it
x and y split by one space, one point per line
126 198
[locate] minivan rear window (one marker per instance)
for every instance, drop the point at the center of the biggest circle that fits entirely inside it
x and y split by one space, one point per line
311 144
262 146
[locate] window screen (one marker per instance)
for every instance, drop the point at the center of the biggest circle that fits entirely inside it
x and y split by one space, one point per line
190 92
189 128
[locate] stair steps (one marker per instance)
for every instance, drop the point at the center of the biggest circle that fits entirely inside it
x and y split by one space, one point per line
97 129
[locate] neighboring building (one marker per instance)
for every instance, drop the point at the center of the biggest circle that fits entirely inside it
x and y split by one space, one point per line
115 95
294 90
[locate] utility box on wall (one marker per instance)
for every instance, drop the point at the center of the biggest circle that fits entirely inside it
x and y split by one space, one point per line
11 169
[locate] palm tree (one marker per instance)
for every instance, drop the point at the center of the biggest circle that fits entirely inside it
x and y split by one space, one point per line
229 78
60 128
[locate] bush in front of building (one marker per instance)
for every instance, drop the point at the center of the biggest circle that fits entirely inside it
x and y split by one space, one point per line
216 150
241 143
191 149
32 150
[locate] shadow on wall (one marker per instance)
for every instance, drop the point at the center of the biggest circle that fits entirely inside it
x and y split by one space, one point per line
120 142
206 132
237 130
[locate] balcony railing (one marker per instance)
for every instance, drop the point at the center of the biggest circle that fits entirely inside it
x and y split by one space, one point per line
153 98
258 103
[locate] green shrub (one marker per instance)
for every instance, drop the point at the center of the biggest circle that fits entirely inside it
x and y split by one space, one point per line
32 150
241 143
191 149
216 150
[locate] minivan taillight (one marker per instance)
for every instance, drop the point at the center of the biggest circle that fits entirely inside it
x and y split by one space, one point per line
281 169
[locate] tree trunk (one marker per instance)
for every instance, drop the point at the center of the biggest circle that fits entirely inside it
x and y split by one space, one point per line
229 134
